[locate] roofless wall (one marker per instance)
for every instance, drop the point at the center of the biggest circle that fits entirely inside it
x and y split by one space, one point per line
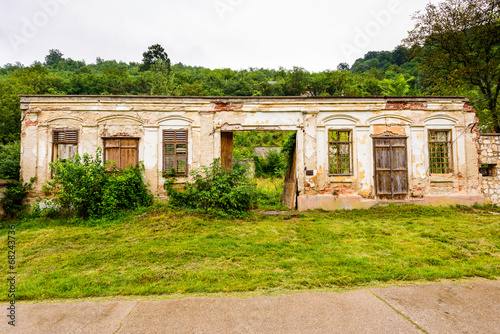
351 151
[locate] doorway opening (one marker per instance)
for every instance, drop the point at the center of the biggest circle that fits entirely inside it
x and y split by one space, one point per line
270 158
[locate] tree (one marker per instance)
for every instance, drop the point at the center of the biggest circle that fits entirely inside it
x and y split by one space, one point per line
459 44
53 58
154 55
343 67
31 80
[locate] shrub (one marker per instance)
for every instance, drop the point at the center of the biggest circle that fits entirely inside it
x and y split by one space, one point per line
125 190
46 208
272 166
214 190
12 201
85 186
9 161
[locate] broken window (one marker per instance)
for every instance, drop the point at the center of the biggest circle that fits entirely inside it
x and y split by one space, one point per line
440 150
488 170
175 146
124 152
65 144
340 152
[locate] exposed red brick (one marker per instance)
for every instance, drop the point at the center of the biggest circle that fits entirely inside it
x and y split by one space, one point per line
468 107
226 106
404 105
31 123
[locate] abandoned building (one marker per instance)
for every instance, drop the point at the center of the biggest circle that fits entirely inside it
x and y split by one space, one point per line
351 152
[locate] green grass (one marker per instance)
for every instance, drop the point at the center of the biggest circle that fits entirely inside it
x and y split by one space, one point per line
162 251
269 193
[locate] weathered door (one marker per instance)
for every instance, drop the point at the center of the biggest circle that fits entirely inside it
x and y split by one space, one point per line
289 198
391 167
226 150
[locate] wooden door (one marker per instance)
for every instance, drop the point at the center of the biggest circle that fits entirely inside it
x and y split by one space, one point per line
391 167
226 150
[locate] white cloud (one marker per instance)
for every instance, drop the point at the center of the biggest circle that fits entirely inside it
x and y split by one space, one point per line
211 33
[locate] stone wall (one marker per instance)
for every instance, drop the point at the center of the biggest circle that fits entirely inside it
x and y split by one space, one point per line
490 155
262 151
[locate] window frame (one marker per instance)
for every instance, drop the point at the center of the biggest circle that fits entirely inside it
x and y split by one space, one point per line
350 142
55 140
431 144
118 164
175 142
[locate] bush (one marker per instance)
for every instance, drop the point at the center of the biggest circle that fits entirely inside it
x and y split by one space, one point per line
125 190
272 166
214 190
10 161
85 186
12 202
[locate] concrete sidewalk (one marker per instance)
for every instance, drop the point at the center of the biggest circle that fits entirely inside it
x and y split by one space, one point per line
430 308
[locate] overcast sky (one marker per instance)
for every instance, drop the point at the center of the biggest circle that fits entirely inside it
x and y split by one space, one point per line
314 34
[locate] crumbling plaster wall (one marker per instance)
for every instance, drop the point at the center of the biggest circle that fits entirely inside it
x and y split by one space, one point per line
205 118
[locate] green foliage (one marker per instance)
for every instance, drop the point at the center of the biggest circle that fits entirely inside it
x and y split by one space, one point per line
125 190
13 196
84 185
398 86
459 44
9 161
288 148
54 57
214 190
273 165
246 141
155 56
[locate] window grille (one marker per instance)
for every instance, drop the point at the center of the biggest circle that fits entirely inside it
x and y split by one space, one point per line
440 152
340 152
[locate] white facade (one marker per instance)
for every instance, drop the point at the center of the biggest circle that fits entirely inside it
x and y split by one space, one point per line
145 118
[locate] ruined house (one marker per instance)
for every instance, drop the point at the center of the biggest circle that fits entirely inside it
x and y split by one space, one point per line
351 152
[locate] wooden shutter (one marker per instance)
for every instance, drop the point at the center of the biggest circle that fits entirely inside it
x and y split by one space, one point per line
65 143
175 152
123 151
64 136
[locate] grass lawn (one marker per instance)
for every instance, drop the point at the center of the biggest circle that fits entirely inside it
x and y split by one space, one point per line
162 251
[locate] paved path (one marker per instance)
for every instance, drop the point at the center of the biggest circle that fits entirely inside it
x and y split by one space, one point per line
430 308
